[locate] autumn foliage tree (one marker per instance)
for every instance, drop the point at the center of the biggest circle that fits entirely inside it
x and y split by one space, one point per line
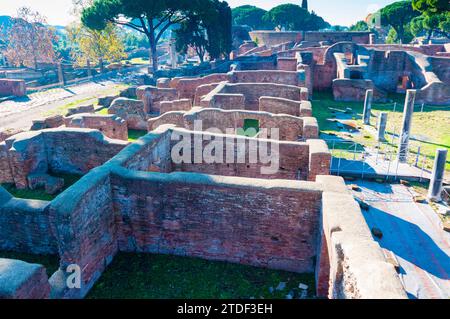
30 40
94 45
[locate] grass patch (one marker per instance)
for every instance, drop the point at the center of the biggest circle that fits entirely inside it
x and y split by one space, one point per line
136 61
62 110
50 262
430 128
103 111
134 135
40 194
147 276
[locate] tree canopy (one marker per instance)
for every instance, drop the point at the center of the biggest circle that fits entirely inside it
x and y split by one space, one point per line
398 15
292 17
435 17
29 40
152 18
251 16
94 45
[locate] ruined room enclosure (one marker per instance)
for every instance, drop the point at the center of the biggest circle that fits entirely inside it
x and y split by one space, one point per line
124 205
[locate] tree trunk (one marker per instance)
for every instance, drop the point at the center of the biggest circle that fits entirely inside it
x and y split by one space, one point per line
153 51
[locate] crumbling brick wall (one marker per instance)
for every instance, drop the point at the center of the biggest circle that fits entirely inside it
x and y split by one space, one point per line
111 125
195 215
25 225
351 263
21 280
62 150
12 87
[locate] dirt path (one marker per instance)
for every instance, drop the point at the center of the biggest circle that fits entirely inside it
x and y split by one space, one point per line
19 113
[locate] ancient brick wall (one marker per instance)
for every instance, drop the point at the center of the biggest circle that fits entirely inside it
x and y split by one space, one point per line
153 96
287 64
286 77
253 91
21 280
199 216
176 105
277 105
131 111
12 87
25 225
111 126
84 226
186 87
293 157
351 264
65 150
290 128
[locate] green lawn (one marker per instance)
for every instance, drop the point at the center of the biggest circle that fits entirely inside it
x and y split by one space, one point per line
40 194
150 276
430 128
62 110
133 135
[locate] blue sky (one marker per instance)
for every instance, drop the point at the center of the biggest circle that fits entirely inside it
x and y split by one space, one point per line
342 12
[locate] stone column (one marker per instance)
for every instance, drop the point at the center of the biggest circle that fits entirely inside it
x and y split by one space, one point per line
382 121
406 126
372 38
437 176
367 107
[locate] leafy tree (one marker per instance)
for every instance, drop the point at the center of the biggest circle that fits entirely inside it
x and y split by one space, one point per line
133 41
191 34
435 17
359 26
151 18
29 40
394 38
398 15
251 16
294 18
94 45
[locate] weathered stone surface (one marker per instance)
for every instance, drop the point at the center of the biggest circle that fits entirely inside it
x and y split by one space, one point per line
12 87
111 125
131 111
80 109
20 280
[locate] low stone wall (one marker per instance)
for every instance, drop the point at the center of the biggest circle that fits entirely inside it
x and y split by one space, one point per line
111 126
12 87
252 92
84 224
131 111
352 264
25 225
153 96
207 216
278 105
62 150
21 280
177 105
290 128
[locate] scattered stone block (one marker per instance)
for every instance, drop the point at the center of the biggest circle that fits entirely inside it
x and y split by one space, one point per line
355 188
